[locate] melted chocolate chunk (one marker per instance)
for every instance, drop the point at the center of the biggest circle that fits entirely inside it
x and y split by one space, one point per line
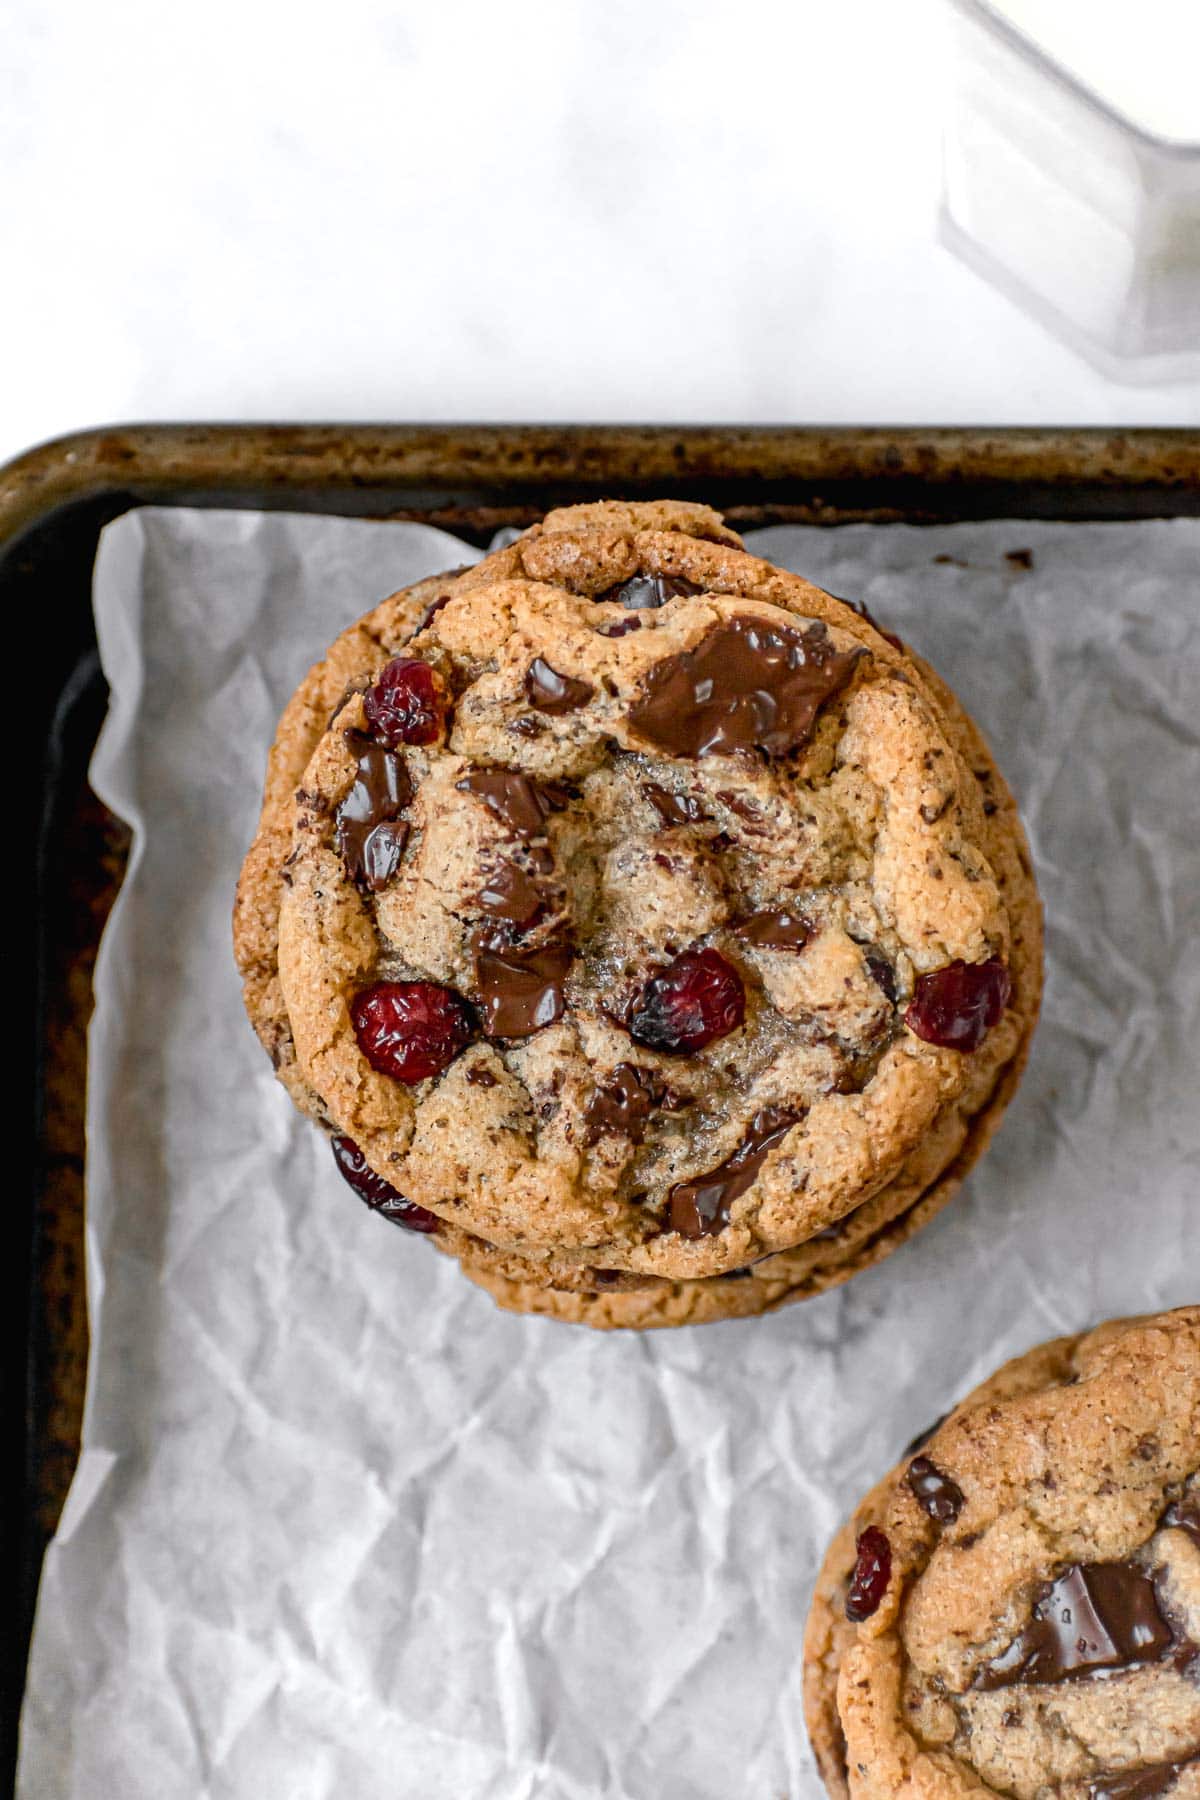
674 809
1184 1515
620 627
520 991
369 835
551 692
700 1208
1097 1617
882 974
775 930
512 894
642 593
519 802
625 1102
1146 1783
481 1077
934 1492
746 686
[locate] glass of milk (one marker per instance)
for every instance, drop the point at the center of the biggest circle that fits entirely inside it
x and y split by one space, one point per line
1072 171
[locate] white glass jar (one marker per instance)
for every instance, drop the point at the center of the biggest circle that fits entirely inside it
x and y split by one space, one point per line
1072 171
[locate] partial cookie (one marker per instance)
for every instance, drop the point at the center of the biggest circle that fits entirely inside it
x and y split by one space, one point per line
1015 1609
685 848
608 1301
871 1231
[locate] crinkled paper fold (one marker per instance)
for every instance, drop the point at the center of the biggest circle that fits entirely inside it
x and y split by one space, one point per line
341 1529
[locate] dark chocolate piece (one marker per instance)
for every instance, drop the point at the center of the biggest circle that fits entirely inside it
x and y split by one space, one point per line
934 1491
1184 1515
746 686
520 990
480 1076
624 1103
673 809
701 1207
642 593
620 627
551 692
1095 1618
370 836
882 974
519 802
1146 1783
511 893
776 929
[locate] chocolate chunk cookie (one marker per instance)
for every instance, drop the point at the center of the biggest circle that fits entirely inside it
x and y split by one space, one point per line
1016 1608
721 884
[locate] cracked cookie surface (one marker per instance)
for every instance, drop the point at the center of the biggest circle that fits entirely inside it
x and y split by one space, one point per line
1016 1608
614 843
576 886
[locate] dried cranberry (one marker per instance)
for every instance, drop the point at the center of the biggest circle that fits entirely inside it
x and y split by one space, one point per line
406 705
379 1194
691 1003
409 1030
872 1572
957 1006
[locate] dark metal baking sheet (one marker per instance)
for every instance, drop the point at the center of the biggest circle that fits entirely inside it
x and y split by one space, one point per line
470 480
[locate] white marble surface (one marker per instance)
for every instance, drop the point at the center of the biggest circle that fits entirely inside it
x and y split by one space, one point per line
548 209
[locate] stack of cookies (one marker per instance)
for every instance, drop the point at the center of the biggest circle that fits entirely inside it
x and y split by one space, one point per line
645 927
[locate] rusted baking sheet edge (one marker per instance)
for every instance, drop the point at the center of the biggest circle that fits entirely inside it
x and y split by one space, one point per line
478 476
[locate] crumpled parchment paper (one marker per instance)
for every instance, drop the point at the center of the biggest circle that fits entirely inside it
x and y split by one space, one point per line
342 1529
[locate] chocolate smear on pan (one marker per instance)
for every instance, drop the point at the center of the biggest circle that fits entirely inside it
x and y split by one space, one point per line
747 685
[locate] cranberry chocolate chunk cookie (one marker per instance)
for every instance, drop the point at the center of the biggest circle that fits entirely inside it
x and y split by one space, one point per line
546 1280
633 906
1016 1608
